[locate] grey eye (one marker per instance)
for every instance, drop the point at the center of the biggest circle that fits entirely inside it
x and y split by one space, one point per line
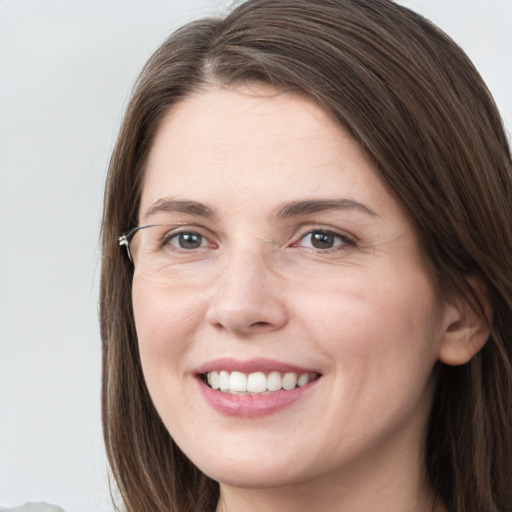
188 240
321 240
325 239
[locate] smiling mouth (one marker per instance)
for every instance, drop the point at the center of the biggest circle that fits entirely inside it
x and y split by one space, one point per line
256 383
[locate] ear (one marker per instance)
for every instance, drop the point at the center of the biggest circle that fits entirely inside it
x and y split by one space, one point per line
466 328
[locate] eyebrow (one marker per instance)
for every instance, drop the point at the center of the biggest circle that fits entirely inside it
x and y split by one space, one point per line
286 210
170 205
297 208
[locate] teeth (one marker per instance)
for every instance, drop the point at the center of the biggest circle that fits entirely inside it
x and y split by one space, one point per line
303 379
238 382
257 382
289 381
223 381
214 380
274 381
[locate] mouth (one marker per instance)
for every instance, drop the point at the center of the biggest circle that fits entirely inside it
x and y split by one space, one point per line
256 383
254 388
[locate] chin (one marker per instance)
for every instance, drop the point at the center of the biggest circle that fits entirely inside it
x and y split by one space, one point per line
251 478
252 471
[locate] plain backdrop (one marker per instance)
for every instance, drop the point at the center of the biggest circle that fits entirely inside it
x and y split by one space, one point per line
66 70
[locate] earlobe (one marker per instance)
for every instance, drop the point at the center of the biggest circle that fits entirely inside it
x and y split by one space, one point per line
466 329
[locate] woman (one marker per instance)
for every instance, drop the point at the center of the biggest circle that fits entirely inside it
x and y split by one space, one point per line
315 307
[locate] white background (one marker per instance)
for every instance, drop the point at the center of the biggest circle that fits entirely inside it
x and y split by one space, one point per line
66 70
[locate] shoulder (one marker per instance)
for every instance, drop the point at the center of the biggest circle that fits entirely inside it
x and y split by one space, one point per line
33 507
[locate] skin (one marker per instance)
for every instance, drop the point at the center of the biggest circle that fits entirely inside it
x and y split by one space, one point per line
364 314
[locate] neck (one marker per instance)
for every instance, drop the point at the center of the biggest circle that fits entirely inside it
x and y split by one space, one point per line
335 498
395 480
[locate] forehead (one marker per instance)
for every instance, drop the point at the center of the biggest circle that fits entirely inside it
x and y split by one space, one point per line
255 145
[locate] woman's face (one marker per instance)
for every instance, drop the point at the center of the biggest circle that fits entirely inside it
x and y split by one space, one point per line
288 263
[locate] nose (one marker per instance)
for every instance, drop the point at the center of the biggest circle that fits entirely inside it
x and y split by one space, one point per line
247 297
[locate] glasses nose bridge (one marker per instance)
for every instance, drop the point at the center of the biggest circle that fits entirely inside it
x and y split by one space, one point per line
247 261
247 291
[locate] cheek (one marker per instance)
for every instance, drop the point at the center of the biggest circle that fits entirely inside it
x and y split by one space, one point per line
166 324
376 329
164 321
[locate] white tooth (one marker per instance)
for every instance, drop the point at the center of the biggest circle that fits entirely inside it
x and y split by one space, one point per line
238 381
289 381
209 379
274 381
214 380
256 382
224 381
303 379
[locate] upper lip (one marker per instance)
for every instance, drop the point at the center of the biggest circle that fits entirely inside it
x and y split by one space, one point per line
251 366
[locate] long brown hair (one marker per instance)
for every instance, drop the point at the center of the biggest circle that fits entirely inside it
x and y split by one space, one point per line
412 99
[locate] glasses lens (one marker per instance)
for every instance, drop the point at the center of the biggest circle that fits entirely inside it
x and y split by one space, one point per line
157 249
149 252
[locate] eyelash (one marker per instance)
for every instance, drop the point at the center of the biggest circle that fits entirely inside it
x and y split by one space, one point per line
205 242
345 240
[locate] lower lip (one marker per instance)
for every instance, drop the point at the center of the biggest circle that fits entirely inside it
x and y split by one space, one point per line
253 406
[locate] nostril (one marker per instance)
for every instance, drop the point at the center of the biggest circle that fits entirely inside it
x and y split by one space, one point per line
260 324
257 313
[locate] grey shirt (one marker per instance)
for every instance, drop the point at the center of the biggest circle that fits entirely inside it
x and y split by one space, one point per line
33 507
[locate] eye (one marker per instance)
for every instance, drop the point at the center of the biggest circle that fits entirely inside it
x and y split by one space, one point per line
188 240
324 240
